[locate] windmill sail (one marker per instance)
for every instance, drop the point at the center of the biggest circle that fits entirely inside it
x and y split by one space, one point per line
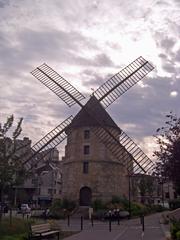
47 143
125 150
56 83
122 81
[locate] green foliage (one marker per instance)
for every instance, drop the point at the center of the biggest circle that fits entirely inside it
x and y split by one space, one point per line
138 209
168 155
68 204
12 171
116 199
60 208
18 226
146 185
175 227
120 202
99 214
98 205
15 237
178 235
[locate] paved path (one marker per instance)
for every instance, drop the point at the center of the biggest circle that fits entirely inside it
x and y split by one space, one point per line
127 230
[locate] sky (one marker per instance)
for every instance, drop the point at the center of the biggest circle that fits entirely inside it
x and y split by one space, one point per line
87 42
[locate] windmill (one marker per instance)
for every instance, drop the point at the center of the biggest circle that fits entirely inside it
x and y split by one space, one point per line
106 94
122 147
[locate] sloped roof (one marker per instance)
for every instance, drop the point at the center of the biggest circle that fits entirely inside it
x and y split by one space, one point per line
92 115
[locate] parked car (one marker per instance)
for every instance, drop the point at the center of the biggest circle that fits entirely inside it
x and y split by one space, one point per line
25 208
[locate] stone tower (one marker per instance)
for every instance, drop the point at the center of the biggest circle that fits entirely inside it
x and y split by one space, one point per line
90 171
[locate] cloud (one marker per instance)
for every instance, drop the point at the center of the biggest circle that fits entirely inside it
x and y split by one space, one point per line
4 3
87 43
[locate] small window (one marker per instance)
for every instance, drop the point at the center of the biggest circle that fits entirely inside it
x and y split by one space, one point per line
34 181
86 134
166 195
175 195
86 149
85 167
50 191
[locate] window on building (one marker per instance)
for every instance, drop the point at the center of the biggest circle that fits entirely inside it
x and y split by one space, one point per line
175 195
50 191
85 167
167 195
86 134
86 149
34 181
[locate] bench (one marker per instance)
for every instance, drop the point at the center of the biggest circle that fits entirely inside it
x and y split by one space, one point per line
40 231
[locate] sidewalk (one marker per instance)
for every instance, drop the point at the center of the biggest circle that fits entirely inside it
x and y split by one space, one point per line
127 230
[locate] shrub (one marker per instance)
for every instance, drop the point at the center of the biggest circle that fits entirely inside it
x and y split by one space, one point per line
68 204
18 226
175 227
60 209
157 208
98 205
99 214
178 235
138 209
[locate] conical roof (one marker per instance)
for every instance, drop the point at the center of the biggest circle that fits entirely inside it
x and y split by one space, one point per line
93 115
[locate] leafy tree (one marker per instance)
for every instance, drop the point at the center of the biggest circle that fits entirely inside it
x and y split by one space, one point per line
12 171
146 186
168 155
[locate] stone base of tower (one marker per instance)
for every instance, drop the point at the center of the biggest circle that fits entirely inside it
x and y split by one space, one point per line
105 180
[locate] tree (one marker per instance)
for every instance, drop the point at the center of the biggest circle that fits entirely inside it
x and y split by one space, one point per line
146 186
168 155
12 171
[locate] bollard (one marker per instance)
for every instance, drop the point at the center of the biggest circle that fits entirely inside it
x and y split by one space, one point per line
140 219
118 219
10 216
143 223
110 224
81 223
68 220
92 221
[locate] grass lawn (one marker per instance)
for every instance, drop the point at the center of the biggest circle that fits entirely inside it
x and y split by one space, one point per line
19 228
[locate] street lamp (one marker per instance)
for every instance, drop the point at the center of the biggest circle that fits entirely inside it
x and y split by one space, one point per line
129 194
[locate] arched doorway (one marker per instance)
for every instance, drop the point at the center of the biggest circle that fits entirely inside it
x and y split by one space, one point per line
85 196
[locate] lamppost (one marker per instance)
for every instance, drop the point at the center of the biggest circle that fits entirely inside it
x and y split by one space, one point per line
161 182
129 194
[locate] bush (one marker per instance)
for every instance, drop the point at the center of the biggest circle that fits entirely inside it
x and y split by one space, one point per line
68 205
18 226
175 227
15 237
178 235
99 214
60 209
98 205
137 209
157 208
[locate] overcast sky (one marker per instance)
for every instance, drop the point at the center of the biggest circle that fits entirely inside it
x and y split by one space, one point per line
87 42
